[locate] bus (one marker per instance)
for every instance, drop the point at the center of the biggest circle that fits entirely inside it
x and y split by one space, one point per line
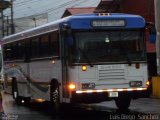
85 58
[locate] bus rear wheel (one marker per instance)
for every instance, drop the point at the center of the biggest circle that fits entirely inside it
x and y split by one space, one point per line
54 97
15 91
123 103
18 99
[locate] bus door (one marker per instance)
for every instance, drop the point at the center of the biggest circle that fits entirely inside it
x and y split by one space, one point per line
64 58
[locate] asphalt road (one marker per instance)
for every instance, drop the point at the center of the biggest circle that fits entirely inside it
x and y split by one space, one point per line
41 111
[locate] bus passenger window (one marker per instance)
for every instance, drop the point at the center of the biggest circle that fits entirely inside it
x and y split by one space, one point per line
35 51
44 46
10 51
20 50
54 44
7 52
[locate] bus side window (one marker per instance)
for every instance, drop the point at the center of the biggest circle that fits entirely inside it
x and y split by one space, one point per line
20 50
54 44
10 50
7 52
35 47
44 45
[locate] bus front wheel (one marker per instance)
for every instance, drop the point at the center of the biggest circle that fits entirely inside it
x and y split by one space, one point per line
54 97
123 103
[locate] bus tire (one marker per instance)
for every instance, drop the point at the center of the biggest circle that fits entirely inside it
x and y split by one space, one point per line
55 97
15 91
123 103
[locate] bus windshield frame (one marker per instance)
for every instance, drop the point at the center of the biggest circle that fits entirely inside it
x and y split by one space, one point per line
108 46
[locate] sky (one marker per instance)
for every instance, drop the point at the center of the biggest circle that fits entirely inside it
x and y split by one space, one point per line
54 8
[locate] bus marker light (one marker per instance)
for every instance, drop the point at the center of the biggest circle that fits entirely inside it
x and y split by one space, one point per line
137 65
84 67
22 101
53 61
72 86
39 100
108 14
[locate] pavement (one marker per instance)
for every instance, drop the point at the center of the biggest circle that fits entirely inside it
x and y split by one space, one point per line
1 108
143 105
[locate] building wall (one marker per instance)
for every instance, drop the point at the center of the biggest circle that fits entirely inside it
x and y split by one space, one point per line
140 7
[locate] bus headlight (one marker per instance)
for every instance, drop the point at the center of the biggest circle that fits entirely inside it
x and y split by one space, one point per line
135 83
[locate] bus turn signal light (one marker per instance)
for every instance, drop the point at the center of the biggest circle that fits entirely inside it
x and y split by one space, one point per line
72 86
147 83
84 67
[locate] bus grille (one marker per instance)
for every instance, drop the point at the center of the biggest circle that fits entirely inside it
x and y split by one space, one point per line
112 74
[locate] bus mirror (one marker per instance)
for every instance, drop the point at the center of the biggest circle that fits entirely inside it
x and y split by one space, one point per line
152 32
152 38
69 40
152 35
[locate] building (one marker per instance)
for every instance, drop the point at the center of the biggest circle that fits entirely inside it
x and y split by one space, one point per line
3 5
72 11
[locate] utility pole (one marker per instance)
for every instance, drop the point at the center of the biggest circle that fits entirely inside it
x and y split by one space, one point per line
7 25
34 20
12 21
157 21
2 23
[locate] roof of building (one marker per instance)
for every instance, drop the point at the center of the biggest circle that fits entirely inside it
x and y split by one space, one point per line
4 5
73 11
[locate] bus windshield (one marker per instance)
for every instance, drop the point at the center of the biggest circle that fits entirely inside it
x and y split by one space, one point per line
108 46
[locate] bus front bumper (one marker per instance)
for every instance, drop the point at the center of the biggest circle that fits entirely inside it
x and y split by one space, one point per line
92 96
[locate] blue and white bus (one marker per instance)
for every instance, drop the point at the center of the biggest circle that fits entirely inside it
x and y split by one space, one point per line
79 59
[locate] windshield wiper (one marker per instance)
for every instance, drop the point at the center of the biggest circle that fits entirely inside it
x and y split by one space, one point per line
85 56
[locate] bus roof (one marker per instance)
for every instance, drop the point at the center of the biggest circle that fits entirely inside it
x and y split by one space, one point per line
81 21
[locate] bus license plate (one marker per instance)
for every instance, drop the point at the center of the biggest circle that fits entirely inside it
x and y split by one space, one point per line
113 94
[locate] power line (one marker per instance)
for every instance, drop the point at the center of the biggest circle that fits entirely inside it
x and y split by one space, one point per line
24 2
54 9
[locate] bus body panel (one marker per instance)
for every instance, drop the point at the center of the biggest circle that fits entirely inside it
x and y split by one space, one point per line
34 78
109 76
